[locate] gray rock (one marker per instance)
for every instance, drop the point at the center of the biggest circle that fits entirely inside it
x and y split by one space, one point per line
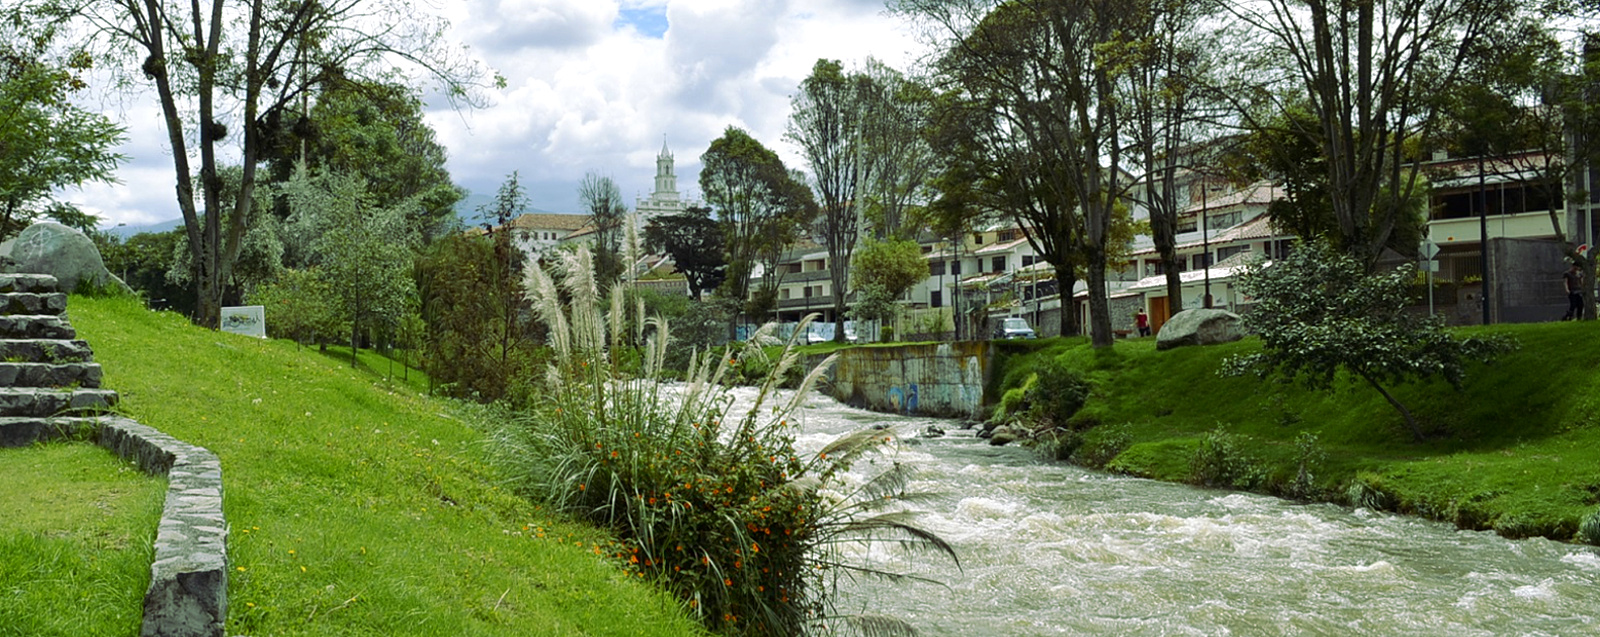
1003 436
65 253
1199 327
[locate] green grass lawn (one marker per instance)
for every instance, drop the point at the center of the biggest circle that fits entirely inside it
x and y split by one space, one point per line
357 505
76 528
1517 450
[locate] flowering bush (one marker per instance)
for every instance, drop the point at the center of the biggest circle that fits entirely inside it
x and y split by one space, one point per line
717 506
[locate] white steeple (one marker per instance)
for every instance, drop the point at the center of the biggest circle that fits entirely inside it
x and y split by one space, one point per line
666 180
664 201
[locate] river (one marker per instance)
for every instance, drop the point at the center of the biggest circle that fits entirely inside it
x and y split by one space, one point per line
1052 549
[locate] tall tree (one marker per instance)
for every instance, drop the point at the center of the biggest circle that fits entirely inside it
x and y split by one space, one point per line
373 129
991 174
1165 68
364 250
222 69
1373 73
761 207
46 142
695 243
901 163
828 124
478 343
607 215
1046 72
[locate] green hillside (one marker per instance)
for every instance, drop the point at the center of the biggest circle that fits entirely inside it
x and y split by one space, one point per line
359 507
1517 450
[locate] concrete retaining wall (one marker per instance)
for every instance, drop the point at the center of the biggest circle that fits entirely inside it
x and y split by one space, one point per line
942 379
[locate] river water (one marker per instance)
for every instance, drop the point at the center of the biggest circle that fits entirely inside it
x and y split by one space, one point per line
1052 549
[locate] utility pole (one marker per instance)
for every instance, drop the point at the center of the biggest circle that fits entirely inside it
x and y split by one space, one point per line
1483 238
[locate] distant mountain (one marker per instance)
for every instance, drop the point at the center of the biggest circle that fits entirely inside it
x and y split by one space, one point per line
123 231
467 208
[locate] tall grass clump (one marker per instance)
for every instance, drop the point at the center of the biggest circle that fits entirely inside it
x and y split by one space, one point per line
715 504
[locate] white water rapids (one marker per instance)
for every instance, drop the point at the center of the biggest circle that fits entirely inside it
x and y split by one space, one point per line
1052 549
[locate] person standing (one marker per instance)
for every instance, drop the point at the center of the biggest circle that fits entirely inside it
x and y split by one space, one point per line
1142 321
1573 279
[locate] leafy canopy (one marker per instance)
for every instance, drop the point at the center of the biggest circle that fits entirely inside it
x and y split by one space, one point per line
1318 312
695 243
47 142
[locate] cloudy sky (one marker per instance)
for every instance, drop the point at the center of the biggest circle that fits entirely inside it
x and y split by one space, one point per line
593 85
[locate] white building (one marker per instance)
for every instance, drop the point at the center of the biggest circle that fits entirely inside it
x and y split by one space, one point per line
665 200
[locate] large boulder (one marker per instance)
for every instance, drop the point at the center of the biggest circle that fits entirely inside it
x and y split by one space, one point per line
65 253
1199 327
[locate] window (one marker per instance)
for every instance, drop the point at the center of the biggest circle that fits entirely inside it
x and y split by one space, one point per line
977 238
955 267
1028 259
1224 220
936 298
783 294
999 264
1007 235
936 268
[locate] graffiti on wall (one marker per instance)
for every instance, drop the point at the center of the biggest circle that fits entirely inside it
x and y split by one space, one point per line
904 400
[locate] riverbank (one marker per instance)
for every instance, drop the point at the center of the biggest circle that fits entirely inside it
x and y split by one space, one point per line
1516 451
358 506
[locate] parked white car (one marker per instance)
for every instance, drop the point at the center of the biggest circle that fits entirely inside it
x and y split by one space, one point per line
1014 327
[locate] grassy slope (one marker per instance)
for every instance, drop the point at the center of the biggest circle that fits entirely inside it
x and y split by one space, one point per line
75 540
1518 450
359 508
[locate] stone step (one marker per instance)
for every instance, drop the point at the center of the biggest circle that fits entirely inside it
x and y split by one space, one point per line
45 350
21 432
28 283
32 303
41 403
36 326
50 375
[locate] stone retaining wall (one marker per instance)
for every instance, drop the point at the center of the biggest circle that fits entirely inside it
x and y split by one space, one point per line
50 389
188 592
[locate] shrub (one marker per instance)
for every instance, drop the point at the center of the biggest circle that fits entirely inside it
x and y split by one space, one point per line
1056 394
1102 445
1220 461
1309 454
1589 530
718 506
1367 491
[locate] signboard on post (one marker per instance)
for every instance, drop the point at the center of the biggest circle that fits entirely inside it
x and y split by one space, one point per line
1428 265
248 320
1429 250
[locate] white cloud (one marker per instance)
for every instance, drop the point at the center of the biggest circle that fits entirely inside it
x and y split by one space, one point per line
588 90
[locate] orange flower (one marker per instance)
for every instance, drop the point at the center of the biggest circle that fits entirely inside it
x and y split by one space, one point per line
727 582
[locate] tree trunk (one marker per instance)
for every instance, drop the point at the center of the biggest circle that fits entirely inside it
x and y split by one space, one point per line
1411 421
1066 280
1099 307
